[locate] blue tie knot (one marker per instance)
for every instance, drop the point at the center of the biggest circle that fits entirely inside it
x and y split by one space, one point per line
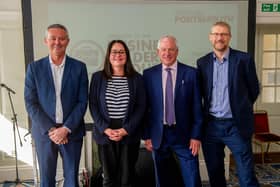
168 69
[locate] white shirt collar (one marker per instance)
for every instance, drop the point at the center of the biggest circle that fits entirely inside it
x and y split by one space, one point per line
61 65
172 67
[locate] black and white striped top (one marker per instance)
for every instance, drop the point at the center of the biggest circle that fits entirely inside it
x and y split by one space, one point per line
117 97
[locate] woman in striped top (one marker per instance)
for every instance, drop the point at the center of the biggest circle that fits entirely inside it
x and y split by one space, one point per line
117 105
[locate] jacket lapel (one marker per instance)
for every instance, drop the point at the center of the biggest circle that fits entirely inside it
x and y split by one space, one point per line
233 62
49 74
158 82
179 78
210 70
157 85
131 87
103 86
67 70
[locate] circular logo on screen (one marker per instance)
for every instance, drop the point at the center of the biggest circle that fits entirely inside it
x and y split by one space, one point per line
90 53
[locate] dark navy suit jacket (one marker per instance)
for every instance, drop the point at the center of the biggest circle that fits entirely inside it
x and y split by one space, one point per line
188 109
40 98
243 87
133 120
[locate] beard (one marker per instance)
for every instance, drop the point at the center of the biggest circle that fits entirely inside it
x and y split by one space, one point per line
220 46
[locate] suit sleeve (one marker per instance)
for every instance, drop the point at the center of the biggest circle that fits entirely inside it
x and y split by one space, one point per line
200 79
73 121
136 117
32 104
94 107
252 80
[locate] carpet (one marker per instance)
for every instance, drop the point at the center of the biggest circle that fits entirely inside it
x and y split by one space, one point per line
267 174
23 184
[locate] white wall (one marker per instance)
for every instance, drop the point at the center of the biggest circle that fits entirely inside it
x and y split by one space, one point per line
12 65
12 72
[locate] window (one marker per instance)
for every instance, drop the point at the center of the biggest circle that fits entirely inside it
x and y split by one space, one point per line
270 68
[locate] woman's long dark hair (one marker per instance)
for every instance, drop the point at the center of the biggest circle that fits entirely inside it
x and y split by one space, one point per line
128 68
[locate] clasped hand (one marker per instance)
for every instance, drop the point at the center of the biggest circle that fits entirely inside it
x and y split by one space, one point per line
115 134
58 135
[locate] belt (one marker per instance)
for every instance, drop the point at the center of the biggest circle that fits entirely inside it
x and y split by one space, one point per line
58 125
213 118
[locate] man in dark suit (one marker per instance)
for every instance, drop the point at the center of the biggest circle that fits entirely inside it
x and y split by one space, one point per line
174 115
229 88
56 93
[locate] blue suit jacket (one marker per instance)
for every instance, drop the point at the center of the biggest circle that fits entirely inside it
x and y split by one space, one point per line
188 109
133 120
40 99
243 88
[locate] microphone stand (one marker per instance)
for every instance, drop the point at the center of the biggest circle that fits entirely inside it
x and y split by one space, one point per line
15 130
35 171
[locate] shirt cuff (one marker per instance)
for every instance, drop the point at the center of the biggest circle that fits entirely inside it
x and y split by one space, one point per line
67 129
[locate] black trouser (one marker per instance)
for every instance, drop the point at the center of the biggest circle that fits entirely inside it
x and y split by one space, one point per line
118 162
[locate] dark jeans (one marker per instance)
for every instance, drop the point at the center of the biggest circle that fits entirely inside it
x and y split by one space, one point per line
219 134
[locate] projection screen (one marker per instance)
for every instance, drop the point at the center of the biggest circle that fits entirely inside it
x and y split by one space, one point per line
93 23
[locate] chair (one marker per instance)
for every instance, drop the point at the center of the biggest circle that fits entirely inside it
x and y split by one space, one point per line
262 135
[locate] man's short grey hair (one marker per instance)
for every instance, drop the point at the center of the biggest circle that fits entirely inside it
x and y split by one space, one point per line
57 26
169 37
222 24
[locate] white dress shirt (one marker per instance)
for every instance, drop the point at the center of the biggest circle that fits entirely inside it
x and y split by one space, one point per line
57 73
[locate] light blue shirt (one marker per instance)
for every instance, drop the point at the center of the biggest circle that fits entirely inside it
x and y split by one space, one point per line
220 105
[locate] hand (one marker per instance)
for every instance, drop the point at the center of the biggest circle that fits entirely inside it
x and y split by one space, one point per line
113 134
110 132
194 146
149 145
122 132
64 141
59 135
116 138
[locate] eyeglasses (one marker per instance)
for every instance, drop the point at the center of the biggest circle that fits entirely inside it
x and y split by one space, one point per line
117 52
215 34
171 50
